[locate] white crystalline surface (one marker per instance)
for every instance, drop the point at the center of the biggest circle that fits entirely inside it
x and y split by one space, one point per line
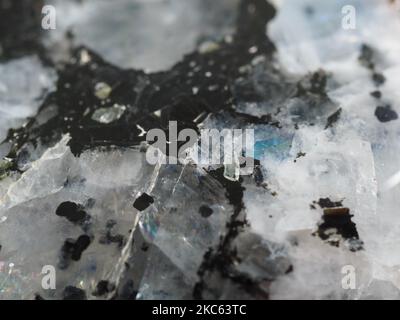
24 83
179 232
144 34
160 251
102 181
356 161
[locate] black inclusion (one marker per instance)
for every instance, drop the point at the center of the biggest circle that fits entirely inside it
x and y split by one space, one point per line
72 250
73 293
71 211
385 114
205 211
142 202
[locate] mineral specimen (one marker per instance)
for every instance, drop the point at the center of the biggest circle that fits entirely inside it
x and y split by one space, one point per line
78 195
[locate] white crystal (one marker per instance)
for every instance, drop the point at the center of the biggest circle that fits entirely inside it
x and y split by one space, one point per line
108 115
352 162
109 177
151 35
24 83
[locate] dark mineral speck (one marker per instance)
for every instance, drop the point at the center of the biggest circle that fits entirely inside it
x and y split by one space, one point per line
378 79
205 211
385 113
289 270
336 221
366 56
145 246
376 94
73 293
109 235
258 175
103 287
143 202
299 155
333 118
327 203
72 211
73 249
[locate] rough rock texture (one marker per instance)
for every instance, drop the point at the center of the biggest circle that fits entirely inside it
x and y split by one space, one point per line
77 193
